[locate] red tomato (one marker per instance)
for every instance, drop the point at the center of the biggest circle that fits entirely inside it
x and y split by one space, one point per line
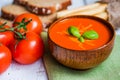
35 25
6 37
5 58
28 50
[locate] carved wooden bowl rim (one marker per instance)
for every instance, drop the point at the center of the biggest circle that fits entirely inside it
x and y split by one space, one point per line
109 25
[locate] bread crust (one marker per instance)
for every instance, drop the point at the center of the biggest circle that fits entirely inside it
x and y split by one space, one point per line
7 15
11 11
43 10
20 2
46 10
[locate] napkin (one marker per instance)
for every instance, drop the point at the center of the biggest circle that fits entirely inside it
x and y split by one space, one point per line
113 10
108 70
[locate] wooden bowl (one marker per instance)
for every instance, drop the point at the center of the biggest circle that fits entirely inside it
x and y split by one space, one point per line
82 59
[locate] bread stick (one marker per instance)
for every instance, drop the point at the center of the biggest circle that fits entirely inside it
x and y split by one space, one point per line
102 15
93 11
82 8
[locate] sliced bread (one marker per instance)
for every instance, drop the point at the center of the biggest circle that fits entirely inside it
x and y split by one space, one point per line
45 7
11 11
48 19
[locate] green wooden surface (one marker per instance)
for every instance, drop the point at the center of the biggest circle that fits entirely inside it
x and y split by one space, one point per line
108 70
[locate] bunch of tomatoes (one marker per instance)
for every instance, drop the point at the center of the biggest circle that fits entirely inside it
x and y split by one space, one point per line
21 42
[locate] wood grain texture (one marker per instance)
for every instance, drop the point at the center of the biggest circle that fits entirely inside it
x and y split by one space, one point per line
81 59
108 70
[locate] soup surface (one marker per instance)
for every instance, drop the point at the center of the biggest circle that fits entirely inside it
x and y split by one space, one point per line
59 35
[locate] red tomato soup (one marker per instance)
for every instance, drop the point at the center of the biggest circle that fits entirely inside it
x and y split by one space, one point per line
59 35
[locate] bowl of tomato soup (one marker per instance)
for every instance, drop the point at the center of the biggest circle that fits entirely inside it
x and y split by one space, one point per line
81 42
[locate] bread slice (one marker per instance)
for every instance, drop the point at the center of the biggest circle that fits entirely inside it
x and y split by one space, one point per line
20 2
48 19
9 23
11 11
45 7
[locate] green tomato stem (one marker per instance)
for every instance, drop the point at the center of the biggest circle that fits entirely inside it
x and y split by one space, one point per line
2 25
20 25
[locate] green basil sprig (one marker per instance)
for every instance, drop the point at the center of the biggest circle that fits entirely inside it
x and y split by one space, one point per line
81 39
72 30
90 34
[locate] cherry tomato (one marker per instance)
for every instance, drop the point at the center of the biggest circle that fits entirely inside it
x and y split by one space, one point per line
6 37
5 58
28 50
35 25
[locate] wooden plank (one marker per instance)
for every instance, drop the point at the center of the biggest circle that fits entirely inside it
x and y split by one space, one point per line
16 71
